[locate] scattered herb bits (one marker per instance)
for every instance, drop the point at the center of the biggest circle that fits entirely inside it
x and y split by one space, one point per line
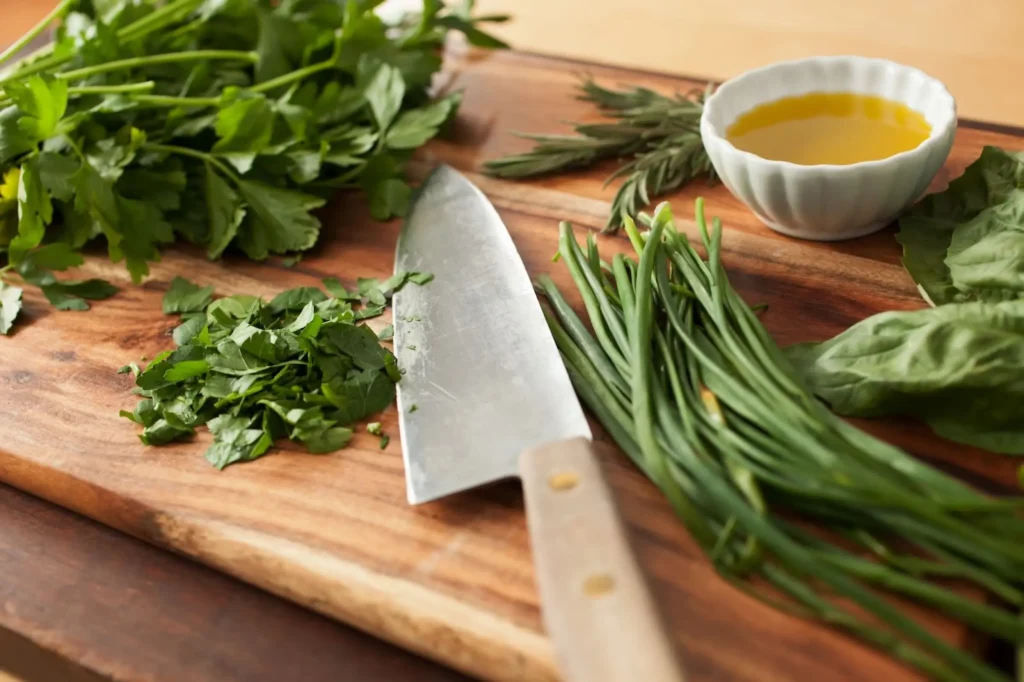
300 366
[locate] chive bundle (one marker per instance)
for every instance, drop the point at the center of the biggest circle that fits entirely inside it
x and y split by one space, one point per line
688 382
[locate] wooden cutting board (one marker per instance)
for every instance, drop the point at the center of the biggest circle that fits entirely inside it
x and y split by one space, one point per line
453 579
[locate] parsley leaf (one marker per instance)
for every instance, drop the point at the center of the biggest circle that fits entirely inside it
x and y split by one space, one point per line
244 128
224 212
10 306
337 289
414 128
43 102
34 211
188 329
72 295
384 93
235 441
185 297
278 221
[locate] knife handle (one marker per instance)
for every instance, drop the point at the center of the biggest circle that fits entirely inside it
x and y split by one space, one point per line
596 604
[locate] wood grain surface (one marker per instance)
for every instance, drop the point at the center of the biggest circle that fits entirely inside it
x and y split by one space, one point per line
451 580
83 603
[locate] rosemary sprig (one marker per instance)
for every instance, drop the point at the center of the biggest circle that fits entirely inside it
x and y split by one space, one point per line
657 136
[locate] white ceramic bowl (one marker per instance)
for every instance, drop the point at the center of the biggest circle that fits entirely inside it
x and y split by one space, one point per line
829 202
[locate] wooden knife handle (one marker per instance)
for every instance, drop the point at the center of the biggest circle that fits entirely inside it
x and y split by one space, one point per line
595 601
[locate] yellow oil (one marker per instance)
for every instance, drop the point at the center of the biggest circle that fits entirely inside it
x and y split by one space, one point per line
829 128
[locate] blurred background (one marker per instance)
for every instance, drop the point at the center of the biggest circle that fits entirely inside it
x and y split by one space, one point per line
975 46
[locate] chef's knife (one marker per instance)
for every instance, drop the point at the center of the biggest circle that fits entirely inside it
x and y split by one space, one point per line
485 396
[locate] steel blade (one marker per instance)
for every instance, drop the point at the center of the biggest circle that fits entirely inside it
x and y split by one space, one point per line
483 378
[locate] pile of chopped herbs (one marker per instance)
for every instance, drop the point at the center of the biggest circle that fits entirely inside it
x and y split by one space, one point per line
303 366
790 502
224 123
656 138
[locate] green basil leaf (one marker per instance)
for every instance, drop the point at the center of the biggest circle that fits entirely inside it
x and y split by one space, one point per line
960 244
957 367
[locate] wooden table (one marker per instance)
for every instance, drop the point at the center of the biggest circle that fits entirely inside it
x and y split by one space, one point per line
80 602
78 595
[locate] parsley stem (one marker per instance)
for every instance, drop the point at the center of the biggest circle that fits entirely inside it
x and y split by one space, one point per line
289 78
137 29
273 83
169 58
98 90
195 154
35 31
171 101
110 89
167 14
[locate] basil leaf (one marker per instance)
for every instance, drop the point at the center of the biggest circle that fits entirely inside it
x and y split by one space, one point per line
962 244
959 367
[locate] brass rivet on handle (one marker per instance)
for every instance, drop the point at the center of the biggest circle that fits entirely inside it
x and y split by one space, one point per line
598 585
563 480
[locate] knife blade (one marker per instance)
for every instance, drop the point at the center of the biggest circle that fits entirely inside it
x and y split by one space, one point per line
481 367
485 396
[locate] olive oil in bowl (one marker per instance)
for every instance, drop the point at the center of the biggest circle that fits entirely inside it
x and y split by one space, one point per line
837 128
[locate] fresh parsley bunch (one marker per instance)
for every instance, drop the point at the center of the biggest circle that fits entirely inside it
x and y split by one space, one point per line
301 366
221 122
